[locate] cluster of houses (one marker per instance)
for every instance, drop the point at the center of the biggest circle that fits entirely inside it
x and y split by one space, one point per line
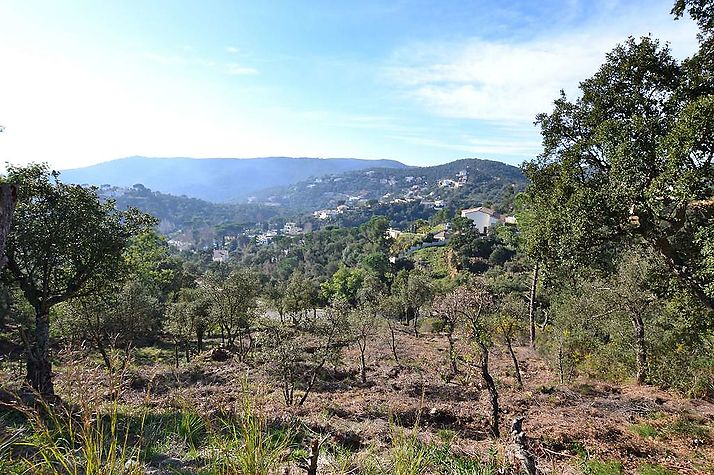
289 229
483 218
323 214
461 178
419 190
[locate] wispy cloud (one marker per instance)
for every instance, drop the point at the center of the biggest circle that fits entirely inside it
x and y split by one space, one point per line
232 68
235 69
232 49
512 81
477 146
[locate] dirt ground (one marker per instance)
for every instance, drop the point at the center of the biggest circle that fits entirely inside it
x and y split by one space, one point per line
566 424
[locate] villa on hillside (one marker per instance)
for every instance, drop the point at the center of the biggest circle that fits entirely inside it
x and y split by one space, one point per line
220 255
482 217
292 229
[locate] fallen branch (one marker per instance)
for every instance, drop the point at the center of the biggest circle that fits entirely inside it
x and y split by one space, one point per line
521 450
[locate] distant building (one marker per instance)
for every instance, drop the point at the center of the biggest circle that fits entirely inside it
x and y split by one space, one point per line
393 233
220 255
450 184
482 217
324 213
440 236
509 220
266 237
292 229
229 238
180 245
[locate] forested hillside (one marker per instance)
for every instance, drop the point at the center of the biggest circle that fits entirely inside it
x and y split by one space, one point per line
179 214
460 183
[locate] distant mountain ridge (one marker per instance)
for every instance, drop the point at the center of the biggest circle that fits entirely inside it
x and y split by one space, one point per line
460 183
216 179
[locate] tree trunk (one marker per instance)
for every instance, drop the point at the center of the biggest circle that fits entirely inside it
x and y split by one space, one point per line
452 352
640 348
493 393
416 323
407 315
393 341
105 356
561 369
516 366
8 197
176 354
314 455
362 362
521 447
532 305
199 339
39 368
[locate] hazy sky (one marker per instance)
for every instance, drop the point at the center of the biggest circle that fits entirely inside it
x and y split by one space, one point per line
424 82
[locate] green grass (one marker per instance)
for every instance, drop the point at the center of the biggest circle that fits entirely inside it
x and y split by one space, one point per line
687 426
435 259
59 441
599 467
248 447
644 430
648 469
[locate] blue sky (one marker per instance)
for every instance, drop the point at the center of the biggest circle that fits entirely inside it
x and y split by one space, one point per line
423 82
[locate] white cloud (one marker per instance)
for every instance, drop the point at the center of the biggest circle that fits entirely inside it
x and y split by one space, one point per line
235 69
478 146
232 49
513 81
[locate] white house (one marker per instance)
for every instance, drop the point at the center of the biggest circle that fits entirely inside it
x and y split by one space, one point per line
220 255
324 213
393 233
292 229
482 217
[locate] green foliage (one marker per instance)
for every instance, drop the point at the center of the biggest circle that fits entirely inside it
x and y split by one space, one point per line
66 230
628 162
233 304
471 250
344 284
301 295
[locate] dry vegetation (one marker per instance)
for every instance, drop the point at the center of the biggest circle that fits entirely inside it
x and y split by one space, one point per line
417 412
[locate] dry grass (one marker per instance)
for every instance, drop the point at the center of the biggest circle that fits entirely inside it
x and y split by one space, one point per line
369 428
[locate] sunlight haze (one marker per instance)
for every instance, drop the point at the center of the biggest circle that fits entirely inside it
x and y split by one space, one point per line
421 82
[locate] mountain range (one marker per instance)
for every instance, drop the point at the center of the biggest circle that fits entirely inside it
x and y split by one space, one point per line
219 180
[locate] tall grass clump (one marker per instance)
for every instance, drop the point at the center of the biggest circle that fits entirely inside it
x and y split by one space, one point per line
60 442
248 446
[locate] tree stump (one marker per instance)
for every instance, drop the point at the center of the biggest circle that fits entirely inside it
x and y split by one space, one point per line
521 450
